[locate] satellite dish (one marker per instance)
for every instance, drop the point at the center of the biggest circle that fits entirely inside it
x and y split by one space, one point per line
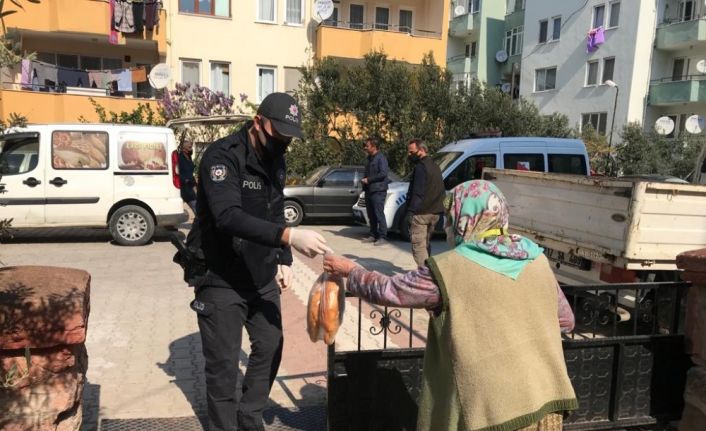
459 10
701 66
506 87
694 124
501 56
664 126
323 9
159 76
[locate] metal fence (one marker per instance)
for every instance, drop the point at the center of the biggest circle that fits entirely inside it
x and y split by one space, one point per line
625 359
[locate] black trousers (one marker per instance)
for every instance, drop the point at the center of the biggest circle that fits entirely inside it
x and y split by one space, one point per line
375 206
222 313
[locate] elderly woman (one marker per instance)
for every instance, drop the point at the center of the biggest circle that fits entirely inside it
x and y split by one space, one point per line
493 359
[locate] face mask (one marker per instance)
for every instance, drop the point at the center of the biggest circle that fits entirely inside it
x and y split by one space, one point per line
273 147
414 158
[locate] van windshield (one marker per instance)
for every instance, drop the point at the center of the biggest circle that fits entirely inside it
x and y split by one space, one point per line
444 160
18 153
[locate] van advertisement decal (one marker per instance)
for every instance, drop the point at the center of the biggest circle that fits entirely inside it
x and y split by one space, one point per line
79 150
142 152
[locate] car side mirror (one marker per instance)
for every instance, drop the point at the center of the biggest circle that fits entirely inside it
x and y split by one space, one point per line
320 183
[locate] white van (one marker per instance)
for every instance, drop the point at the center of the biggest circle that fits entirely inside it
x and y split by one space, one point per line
92 175
464 160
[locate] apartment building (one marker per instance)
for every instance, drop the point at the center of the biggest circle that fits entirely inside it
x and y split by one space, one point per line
70 38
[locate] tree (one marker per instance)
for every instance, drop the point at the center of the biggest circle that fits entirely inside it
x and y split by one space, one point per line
598 151
10 51
143 114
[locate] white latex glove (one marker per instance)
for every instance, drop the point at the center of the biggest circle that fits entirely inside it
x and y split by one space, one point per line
308 242
285 277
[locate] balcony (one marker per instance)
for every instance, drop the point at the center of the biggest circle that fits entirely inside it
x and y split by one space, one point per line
464 25
40 107
90 19
666 92
341 41
459 64
681 35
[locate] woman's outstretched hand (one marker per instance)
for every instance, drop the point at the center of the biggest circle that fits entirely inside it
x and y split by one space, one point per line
338 265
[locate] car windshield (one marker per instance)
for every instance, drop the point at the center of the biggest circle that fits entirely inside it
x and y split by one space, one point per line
315 176
444 159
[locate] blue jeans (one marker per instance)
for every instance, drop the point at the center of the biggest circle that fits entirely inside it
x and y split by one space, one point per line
375 205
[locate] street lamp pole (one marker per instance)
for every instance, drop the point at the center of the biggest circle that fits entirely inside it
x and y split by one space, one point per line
609 163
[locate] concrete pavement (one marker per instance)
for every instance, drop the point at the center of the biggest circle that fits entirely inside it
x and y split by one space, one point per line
144 348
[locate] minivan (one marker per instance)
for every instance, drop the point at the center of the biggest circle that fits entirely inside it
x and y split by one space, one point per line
465 159
122 177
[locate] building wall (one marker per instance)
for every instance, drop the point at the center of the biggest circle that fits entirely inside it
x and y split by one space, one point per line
630 43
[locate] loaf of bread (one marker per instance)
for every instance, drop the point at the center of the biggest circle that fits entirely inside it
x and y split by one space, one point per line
325 309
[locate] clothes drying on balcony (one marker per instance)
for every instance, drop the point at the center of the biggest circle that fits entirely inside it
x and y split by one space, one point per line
132 16
595 38
39 76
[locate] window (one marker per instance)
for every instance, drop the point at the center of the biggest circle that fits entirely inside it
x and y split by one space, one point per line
474 6
19 155
598 16
567 164
471 49
382 18
191 72
519 5
686 10
265 82
556 28
545 79
679 69
614 19
333 19
205 7
79 150
220 77
112 63
90 63
597 120
524 162
142 151
295 12
292 76
469 169
357 13
608 68
513 41
340 178
592 72
405 21
543 25
266 10
65 60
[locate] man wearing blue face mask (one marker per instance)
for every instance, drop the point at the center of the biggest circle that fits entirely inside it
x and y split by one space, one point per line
246 246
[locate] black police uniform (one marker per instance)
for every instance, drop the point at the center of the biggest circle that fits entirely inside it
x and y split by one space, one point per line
241 214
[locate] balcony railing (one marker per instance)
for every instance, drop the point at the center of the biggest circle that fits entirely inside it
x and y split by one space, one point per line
668 91
464 25
459 64
355 39
681 34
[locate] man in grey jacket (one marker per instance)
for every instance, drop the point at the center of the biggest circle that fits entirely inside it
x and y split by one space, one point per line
375 187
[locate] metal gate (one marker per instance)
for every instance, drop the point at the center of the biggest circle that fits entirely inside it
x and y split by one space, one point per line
625 359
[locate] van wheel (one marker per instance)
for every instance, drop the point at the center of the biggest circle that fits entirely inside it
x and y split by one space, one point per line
131 225
293 213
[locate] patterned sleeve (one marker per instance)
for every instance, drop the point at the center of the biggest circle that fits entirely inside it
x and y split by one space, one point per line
415 289
566 316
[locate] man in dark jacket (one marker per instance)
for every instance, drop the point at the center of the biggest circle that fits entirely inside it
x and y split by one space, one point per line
186 175
375 187
240 210
425 200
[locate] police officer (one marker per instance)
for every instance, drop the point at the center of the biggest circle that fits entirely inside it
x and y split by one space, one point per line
240 207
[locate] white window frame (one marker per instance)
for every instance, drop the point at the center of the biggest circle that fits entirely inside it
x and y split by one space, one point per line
588 73
211 63
409 9
603 77
472 8
610 14
375 17
302 5
539 35
365 11
517 32
257 79
181 69
545 69
593 16
598 123
550 31
274 13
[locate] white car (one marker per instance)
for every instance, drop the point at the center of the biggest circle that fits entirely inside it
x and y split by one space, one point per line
464 160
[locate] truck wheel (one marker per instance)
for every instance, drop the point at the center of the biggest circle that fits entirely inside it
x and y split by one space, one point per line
293 213
131 225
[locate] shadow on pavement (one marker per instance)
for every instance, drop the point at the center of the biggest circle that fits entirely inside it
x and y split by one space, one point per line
72 235
309 413
90 406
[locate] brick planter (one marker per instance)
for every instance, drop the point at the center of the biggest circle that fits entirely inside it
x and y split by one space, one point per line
693 263
46 310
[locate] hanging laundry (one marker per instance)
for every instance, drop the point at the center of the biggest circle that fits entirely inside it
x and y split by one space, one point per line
124 20
47 74
595 38
152 9
139 74
113 35
26 76
138 13
124 79
99 78
72 77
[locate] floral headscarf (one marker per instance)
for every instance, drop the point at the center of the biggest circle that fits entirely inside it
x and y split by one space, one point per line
478 214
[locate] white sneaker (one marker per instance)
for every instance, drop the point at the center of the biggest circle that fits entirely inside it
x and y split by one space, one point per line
368 239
